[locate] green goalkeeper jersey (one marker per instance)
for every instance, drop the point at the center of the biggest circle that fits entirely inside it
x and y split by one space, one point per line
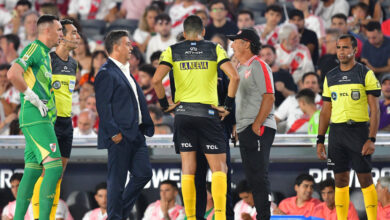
35 60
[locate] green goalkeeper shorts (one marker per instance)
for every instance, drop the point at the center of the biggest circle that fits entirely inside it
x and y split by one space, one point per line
41 142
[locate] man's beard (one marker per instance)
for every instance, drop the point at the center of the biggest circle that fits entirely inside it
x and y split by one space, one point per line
145 87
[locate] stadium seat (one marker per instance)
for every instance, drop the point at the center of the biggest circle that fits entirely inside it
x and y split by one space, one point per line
78 203
127 24
93 29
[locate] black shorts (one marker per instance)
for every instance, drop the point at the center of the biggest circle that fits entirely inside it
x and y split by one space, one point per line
193 132
345 147
64 132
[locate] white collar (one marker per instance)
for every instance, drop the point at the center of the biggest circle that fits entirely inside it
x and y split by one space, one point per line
119 64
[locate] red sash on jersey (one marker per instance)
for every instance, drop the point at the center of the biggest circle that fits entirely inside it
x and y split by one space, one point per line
297 124
94 9
181 20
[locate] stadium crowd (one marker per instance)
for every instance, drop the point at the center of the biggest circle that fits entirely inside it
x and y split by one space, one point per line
298 40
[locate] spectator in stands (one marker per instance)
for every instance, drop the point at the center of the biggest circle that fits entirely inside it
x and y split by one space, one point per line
302 203
219 24
374 9
83 55
383 190
133 9
308 37
62 212
179 12
166 207
136 60
220 39
155 58
146 73
50 8
268 32
145 28
100 213
289 110
204 16
291 55
327 8
163 38
375 52
327 209
21 7
9 95
384 104
339 21
312 22
245 19
85 122
30 33
9 44
306 102
329 60
85 90
101 10
359 17
284 83
98 58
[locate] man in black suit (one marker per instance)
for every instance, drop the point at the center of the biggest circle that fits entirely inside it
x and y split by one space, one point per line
124 120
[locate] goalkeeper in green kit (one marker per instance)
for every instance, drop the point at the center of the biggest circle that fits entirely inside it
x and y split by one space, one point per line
31 75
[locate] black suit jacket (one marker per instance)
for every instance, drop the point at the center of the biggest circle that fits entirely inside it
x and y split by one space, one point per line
117 106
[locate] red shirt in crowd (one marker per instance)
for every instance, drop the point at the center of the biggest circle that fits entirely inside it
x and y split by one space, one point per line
322 211
289 206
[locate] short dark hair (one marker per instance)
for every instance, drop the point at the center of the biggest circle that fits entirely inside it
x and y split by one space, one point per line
138 54
155 55
296 12
361 5
214 2
156 110
12 38
310 74
352 38
274 7
193 24
162 17
112 38
147 68
170 182
102 185
307 95
244 11
269 47
373 25
243 187
326 183
47 19
63 23
340 16
16 176
223 38
24 2
5 66
302 177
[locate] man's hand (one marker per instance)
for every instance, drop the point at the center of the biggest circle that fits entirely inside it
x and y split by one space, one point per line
117 138
368 148
280 86
367 63
321 152
10 118
256 128
29 95
164 208
172 107
245 216
278 211
221 111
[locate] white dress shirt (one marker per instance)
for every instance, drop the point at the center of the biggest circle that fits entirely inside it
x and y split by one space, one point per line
126 71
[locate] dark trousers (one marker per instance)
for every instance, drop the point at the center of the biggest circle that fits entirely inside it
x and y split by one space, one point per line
123 157
200 183
255 151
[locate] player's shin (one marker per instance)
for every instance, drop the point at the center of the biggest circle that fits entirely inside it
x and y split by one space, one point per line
53 172
342 202
189 195
218 191
370 201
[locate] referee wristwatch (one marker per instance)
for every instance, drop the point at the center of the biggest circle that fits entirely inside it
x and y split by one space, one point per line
372 139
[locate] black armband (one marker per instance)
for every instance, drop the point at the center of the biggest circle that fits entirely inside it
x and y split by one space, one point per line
229 103
320 139
164 103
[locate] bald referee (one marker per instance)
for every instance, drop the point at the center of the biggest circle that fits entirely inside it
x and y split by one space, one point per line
349 90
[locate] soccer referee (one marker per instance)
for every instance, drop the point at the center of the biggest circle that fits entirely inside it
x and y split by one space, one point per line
197 125
348 89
